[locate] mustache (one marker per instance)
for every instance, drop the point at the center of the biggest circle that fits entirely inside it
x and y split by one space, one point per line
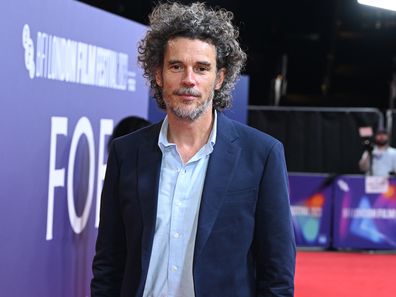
187 91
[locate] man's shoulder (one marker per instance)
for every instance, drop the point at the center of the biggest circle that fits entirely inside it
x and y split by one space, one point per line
391 150
142 136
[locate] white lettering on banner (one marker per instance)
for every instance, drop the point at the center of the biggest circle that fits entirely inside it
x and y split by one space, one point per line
106 128
63 59
369 213
41 57
83 127
376 184
71 55
304 211
57 175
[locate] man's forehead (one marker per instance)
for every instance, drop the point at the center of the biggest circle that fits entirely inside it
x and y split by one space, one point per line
184 44
382 133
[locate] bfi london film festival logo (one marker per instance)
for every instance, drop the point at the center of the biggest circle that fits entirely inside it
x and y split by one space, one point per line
71 61
27 43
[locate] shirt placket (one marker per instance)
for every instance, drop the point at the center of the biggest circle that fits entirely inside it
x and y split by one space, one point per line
176 236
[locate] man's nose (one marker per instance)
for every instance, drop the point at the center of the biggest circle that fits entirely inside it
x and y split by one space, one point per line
188 77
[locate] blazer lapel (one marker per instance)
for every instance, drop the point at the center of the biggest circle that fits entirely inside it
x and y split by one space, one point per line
221 166
149 165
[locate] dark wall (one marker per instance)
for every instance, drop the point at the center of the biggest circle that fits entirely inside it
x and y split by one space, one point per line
322 141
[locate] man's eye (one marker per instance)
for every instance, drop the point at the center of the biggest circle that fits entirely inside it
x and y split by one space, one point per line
202 69
176 67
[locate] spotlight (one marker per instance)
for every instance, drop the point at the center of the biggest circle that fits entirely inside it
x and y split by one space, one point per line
385 4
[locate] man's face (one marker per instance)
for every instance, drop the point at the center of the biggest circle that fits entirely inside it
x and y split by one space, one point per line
189 77
381 139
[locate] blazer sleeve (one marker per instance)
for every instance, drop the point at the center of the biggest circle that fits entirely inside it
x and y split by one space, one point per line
274 234
109 260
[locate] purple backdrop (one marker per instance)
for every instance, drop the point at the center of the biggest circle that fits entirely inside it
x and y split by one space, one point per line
310 199
68 74
362 220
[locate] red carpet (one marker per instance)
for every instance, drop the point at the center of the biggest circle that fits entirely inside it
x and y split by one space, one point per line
345 274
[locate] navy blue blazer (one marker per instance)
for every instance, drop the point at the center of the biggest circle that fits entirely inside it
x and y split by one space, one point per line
245 242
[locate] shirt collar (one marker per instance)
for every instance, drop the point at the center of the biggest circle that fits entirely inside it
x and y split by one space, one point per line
163 135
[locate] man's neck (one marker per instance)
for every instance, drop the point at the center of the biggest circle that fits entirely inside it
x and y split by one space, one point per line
189 136
382 147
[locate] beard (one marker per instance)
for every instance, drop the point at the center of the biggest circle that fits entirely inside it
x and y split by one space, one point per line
187 112
381 142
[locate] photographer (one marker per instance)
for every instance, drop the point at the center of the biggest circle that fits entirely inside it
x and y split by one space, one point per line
379 159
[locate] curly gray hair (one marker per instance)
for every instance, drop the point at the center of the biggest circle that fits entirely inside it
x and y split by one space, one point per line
195 21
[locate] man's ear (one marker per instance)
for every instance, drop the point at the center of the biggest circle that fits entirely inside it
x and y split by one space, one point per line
220 78
158 77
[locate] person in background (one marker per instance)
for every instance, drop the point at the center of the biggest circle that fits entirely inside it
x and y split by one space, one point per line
127 125
379 159
196 205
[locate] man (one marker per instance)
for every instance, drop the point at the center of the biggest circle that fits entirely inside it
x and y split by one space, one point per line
196 205
379 160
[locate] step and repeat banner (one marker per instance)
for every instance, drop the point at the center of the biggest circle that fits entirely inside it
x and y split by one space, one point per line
68 74
365 213
343 212
310 199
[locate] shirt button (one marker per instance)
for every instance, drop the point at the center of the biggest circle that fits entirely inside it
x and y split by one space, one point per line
174 268
178 203
176 235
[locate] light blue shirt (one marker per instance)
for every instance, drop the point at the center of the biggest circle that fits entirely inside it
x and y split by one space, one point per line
179 197
384 161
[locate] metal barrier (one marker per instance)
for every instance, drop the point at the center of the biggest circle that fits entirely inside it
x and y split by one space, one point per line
321 140
391 125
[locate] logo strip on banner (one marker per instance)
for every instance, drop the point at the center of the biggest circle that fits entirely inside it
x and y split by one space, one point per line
67 60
